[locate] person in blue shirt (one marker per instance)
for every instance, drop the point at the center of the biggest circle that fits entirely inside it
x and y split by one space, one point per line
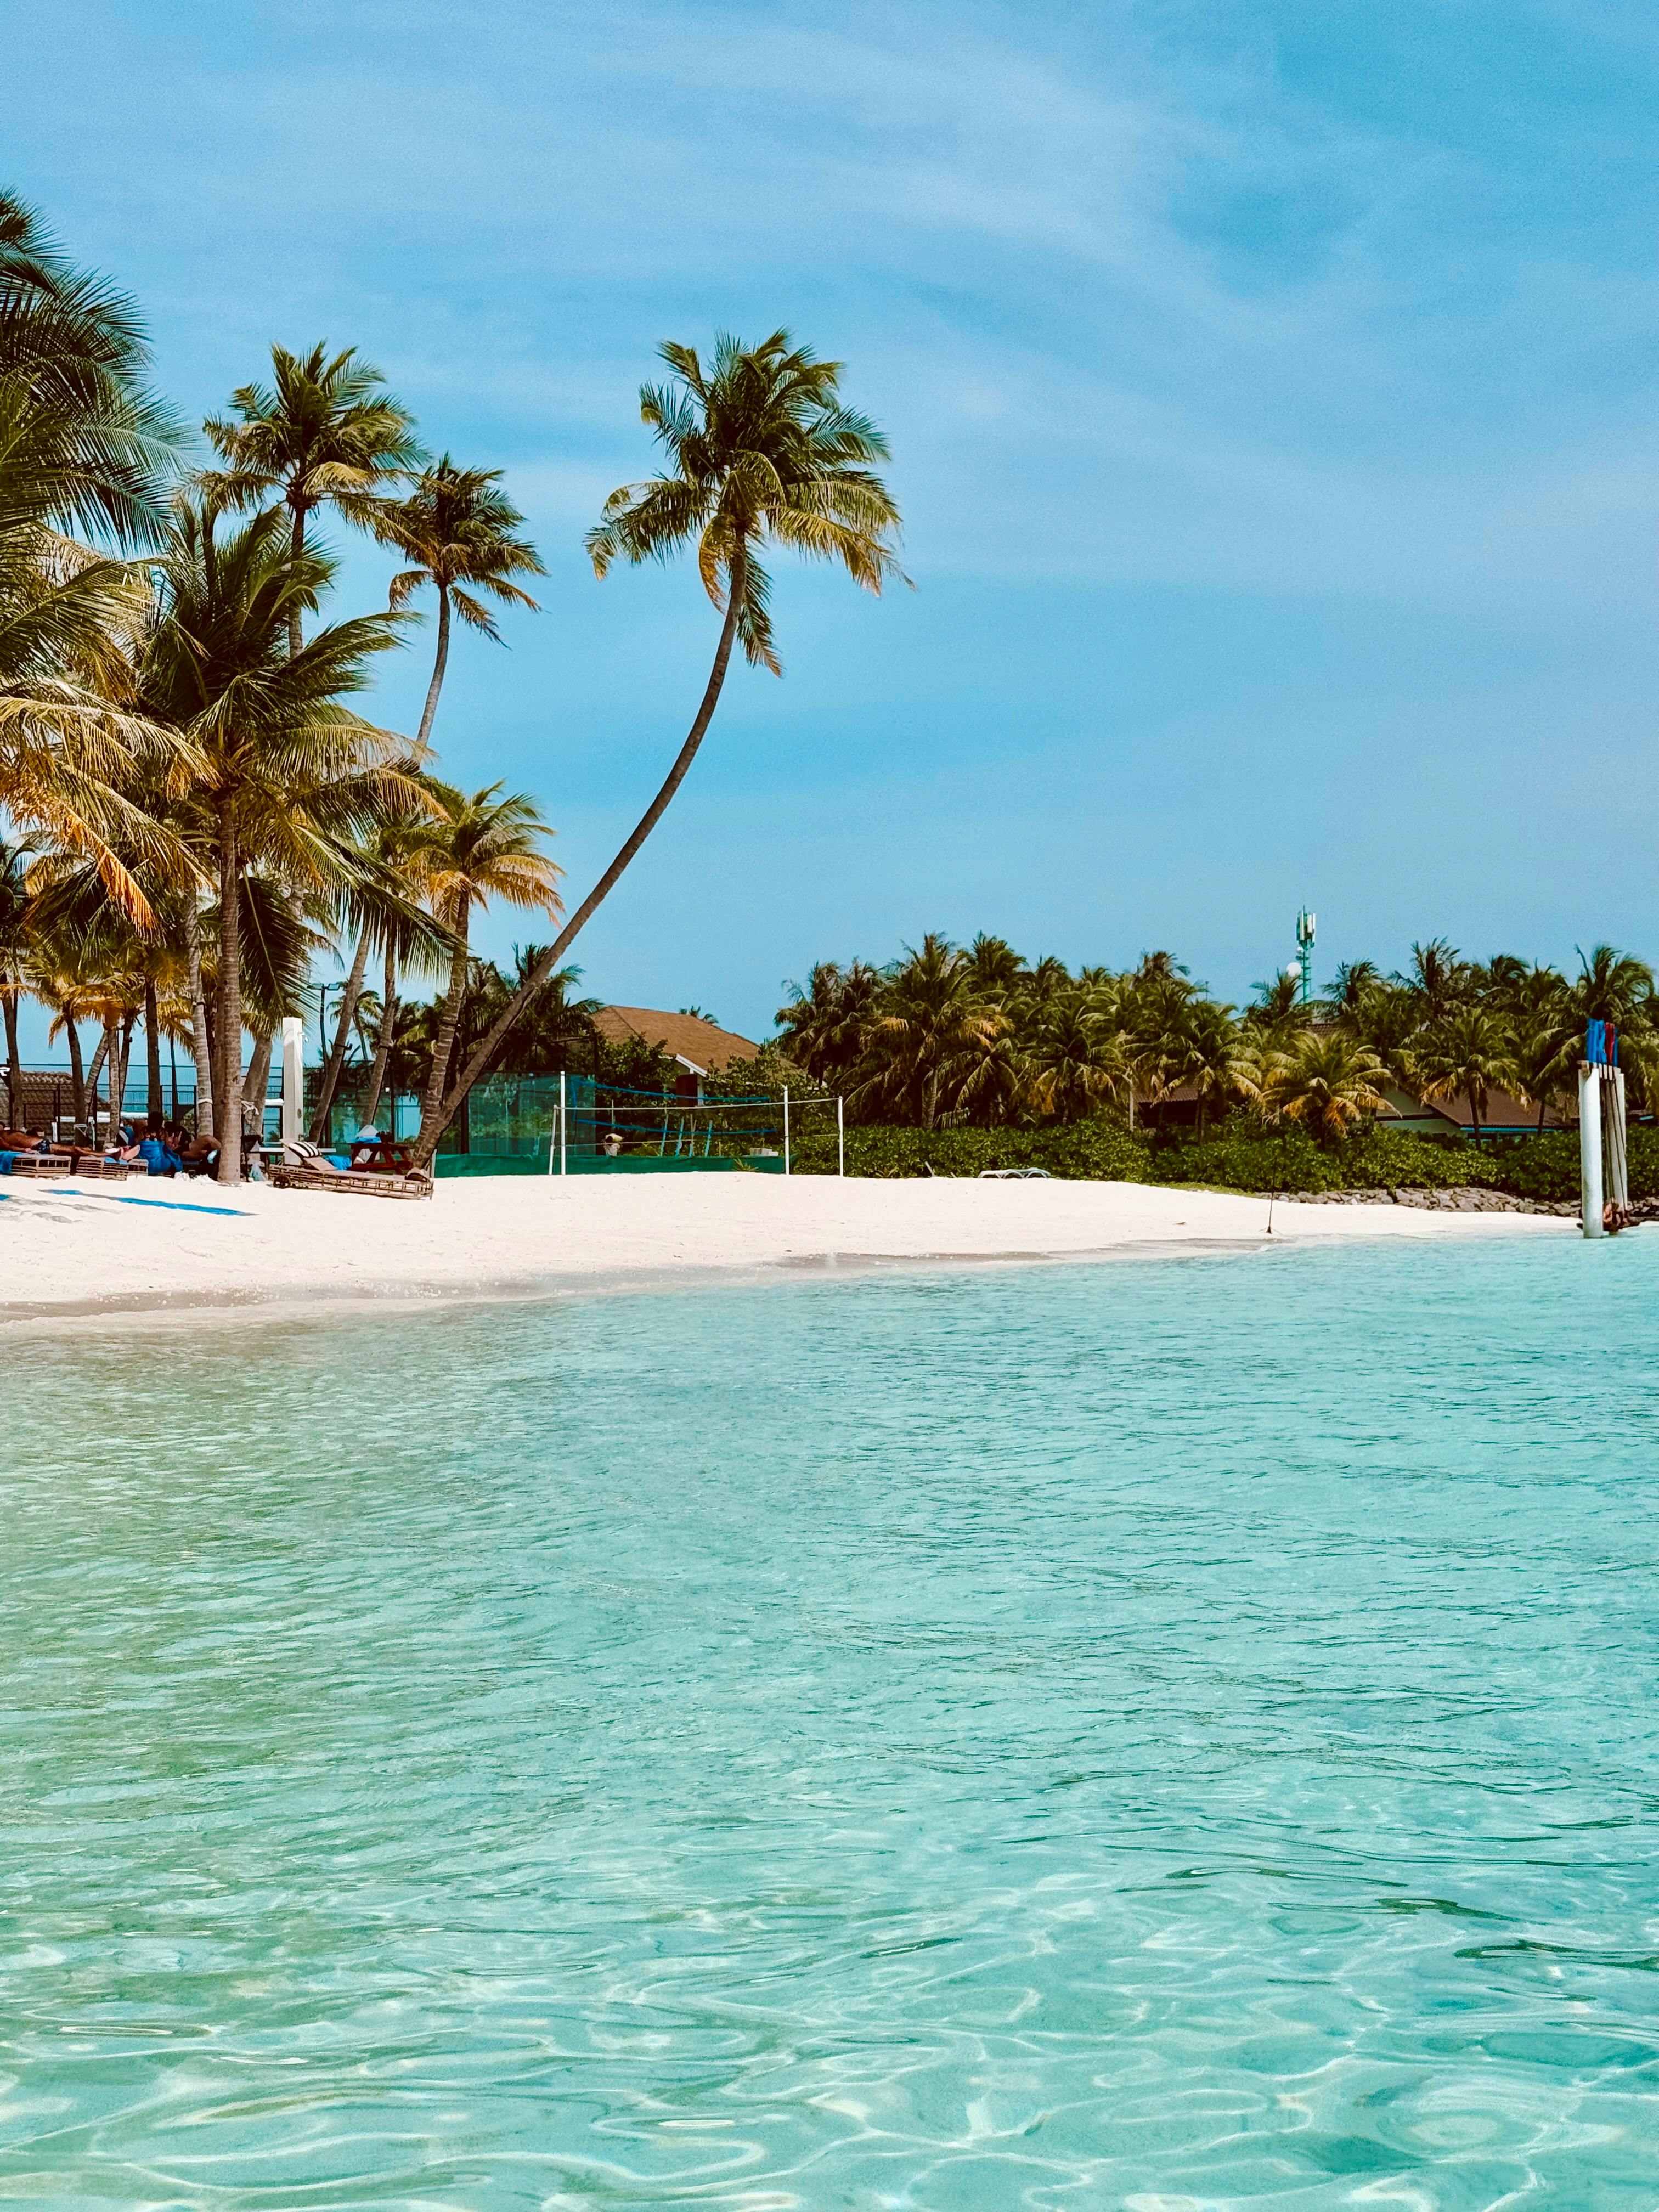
158 1155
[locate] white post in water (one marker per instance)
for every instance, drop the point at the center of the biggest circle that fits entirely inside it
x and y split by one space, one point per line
785 1131
841 1139
562 1169
1615 1170
294 1046
1589 1145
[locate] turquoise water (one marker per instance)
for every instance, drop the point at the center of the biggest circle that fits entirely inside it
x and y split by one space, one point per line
1164 1736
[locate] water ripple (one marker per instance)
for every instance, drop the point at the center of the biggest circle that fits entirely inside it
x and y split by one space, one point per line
1168 1738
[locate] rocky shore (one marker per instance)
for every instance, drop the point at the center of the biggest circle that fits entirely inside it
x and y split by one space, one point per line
1466 1198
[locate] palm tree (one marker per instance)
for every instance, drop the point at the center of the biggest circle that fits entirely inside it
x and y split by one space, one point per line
930 1044
13 937
997 968
481 846
1213 1056
1277 1015
72 349
1352 983
823 1024
82 446
65 980
287 772
380 899
1439 977
325 431
1610 986
761 449
1535 1002
1467 1054
1327 1084
458 529
1074 1058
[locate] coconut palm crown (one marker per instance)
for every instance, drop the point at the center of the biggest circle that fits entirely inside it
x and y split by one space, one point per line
761 449
458 529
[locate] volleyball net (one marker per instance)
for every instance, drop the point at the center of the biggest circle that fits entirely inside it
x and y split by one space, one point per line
587 1120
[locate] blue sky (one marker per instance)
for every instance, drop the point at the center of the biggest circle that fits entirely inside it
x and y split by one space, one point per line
1271 389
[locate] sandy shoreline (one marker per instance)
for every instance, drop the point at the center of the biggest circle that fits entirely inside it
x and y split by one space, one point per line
79 1248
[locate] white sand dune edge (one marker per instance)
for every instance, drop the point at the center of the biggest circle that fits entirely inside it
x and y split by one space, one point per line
78 1247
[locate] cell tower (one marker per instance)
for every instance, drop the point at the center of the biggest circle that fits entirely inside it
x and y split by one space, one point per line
1304 945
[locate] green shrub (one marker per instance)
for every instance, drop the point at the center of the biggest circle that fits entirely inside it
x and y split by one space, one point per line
1242 1155
1094 1150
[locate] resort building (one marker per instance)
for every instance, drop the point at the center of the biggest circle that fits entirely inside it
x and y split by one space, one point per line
701 1047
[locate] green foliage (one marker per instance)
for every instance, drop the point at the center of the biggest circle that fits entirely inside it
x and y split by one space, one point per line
1244 1155
1093 1151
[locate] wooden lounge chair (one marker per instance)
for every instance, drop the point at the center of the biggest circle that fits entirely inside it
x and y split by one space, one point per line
306 1169
111 1170
42 1164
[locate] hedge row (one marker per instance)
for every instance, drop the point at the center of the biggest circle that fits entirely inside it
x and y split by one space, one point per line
1242 1158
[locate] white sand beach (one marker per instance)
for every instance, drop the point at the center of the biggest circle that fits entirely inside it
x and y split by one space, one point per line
75 1247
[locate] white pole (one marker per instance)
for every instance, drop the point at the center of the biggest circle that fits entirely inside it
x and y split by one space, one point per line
1589 1145
786 1131
563 1168
1614 1159
841 1139
293 1045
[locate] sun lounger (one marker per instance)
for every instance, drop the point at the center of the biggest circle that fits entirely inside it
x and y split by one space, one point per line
42 1164
96 1163
303 1167
328 1177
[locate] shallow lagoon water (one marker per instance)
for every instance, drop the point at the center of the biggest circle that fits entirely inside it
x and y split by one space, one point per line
1170 1735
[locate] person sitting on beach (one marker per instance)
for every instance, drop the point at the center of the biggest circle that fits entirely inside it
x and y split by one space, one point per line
201 1154
158 1154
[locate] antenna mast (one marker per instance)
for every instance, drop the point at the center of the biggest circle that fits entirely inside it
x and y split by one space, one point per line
1304 945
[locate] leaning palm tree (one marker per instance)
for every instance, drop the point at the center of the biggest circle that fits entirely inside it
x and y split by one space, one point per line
482 846
762 450
324 432
458 530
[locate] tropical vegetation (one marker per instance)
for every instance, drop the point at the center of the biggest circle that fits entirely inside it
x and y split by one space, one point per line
196 808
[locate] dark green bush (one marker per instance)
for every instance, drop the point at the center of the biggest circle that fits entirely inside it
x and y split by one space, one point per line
1240 1156
1093 1151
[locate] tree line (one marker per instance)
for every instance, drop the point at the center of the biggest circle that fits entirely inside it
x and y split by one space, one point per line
978 1037
193 807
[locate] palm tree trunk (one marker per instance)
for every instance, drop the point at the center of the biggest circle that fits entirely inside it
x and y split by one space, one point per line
121 1057
14 1062
485 1050
77 1073
430 709
99 1055
383 1041
296 548
228 1077
432 1106
257 1081
198 1020
331 1083
154 1105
